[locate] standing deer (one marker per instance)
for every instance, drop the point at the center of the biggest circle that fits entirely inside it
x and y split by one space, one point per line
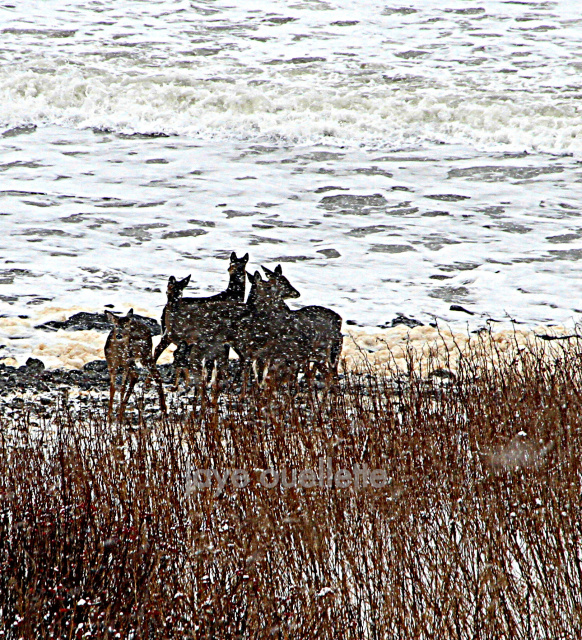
180 314
248 328
266 335
321 325
128 342
263 333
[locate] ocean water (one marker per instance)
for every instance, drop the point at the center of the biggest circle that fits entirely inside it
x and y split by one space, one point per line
394 157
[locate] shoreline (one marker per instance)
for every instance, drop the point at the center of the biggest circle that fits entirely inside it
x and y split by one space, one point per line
73 347
71 362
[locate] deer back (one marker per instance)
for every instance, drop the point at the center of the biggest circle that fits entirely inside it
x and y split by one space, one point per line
128 341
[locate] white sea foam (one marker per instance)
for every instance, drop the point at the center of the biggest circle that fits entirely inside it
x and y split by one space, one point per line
495 77
236 110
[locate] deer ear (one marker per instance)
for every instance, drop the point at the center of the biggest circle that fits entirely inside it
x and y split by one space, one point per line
185 281
111 317
278 270
172 280
233 257
268 271
129 314
245 258
257 277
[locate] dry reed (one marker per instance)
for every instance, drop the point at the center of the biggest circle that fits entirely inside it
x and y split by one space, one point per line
477 533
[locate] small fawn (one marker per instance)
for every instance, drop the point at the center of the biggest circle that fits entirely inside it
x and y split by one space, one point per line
128 342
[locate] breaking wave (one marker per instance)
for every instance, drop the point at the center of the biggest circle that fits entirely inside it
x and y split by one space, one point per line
380 116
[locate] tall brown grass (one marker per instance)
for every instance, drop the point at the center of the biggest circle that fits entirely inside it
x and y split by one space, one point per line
478 533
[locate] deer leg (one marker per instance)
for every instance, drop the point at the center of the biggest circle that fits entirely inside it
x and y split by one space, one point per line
204 373
334 360
246 368
244 380
130 379
255 366
220 372
186 374
127 384
112 377
268 373
291 372
182 363
177 376
197 368
225 360
164 343
122 390
215 381
181 372
159 383
307 372
155 375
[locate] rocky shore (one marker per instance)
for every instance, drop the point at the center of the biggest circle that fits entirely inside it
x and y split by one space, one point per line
74 359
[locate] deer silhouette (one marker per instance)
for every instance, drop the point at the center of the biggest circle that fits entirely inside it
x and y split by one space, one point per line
321 326
129 341
252 329
181 314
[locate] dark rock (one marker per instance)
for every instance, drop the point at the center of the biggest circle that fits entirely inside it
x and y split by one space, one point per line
401 319
17 131
354 202
448 197
185 233
99 366
457 307
391 248
84 321
292 258
330 188
330 253
34 365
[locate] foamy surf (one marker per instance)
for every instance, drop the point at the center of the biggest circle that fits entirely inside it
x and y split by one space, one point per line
496 78
385 118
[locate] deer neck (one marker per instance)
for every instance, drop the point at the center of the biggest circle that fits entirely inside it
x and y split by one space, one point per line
172 308
280 305
236 287
271 305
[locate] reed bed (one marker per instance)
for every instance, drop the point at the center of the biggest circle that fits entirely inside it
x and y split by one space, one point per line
432 346
476 531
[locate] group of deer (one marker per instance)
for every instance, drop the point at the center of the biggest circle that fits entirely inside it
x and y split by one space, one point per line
272 342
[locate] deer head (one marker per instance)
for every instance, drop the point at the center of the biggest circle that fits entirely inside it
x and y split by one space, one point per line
237 264
176 287
281 287
120 336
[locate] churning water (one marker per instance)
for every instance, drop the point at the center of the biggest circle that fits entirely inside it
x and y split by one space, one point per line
396 157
